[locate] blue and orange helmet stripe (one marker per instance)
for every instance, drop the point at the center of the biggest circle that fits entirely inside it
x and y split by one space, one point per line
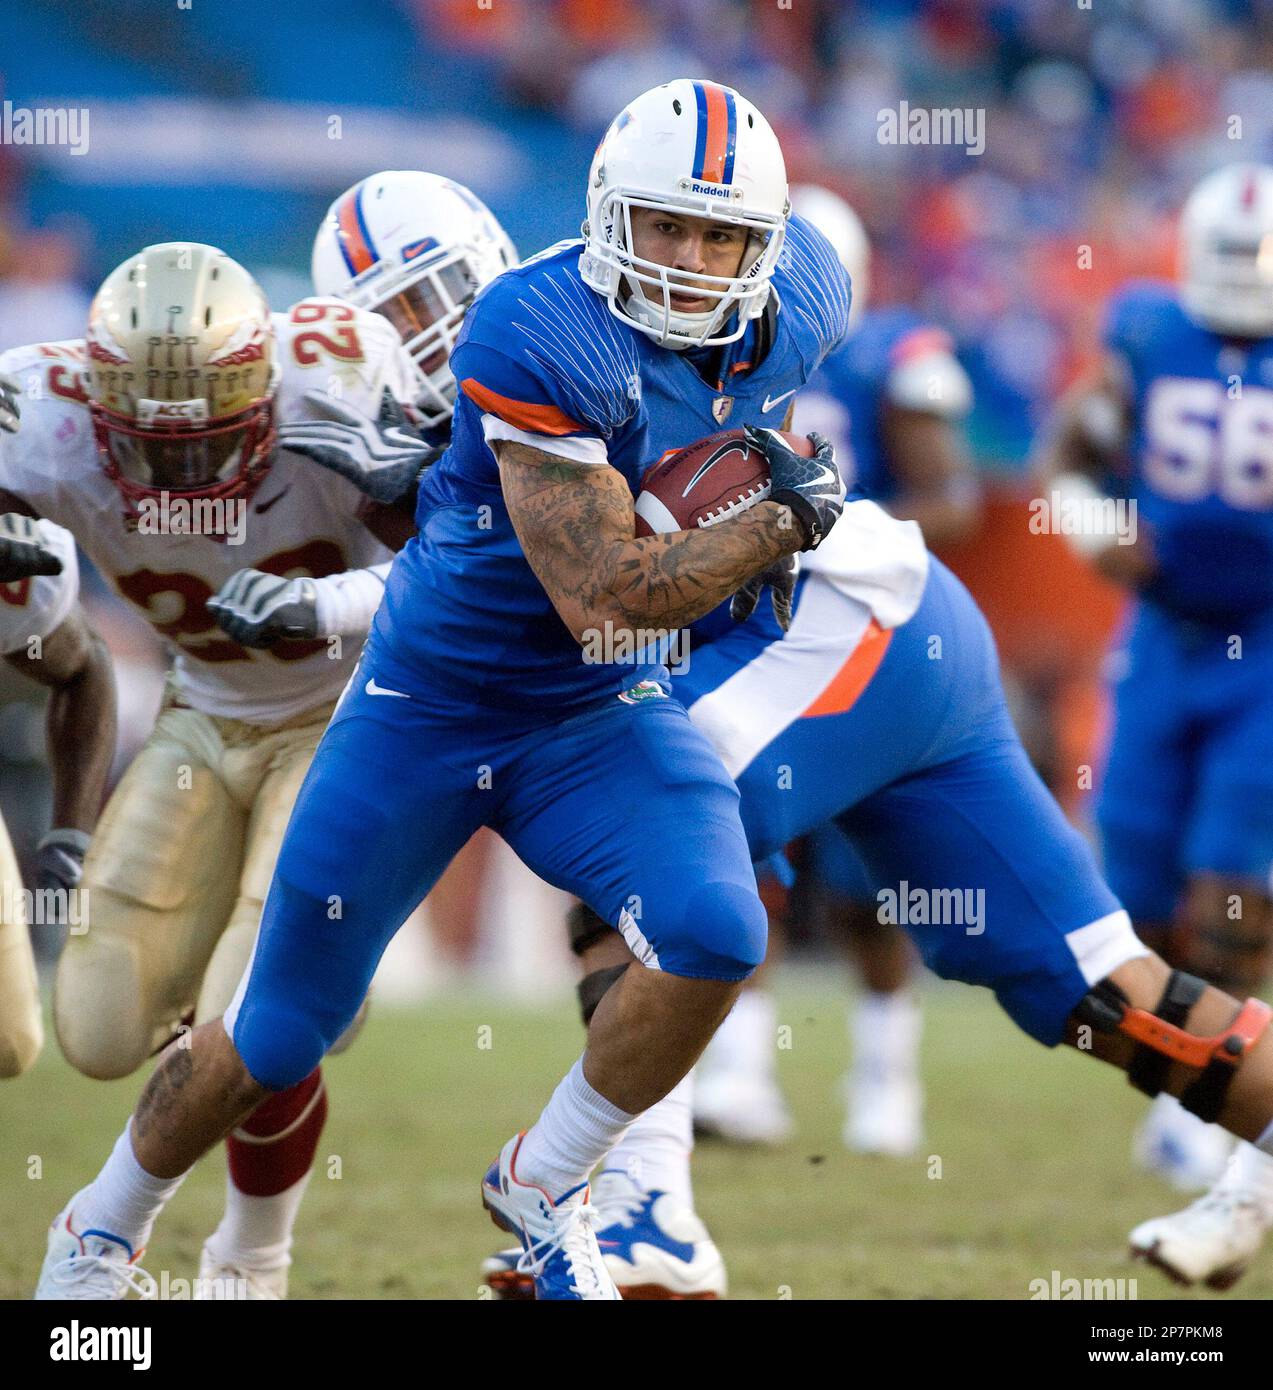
352 235
717 133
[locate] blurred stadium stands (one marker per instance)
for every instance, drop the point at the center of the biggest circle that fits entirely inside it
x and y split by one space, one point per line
216 122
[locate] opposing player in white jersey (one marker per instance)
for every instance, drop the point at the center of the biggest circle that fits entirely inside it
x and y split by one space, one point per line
153 442
45 635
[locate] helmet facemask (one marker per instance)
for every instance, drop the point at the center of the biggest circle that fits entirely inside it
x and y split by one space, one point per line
158 452
1228 283
426 304
639 290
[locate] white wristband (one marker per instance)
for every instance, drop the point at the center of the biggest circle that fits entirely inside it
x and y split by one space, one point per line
346 603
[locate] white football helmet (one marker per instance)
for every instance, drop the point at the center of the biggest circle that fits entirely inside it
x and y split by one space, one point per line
416 248
697 149
843 228
1226 251
182 373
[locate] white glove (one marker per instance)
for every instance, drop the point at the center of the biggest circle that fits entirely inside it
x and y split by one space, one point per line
258 609
383 458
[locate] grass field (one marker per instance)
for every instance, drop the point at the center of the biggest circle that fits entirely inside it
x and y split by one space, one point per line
1033 1149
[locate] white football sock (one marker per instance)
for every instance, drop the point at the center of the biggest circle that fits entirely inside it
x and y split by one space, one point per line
884 1032
257 1231
747 1041
655 1152
1251 1171
577 1129
124 1199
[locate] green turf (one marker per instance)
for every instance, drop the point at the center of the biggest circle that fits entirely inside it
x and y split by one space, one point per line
1033 1149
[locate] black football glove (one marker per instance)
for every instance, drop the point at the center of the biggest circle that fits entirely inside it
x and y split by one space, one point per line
10 411
811 487
23 549
258 609
383 458
780 578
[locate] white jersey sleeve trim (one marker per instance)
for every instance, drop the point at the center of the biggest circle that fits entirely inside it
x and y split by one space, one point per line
577 448
1102 946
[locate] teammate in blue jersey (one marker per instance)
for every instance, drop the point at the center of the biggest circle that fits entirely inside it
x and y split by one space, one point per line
890 399
691 301
881 710
1180 424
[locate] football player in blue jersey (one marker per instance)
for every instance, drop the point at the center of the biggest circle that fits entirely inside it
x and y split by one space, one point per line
1180 423
690 300
890 400
880 709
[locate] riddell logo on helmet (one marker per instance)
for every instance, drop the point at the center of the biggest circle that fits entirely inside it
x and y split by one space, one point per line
712 190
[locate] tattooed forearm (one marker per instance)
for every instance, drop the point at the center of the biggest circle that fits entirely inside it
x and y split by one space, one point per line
575 524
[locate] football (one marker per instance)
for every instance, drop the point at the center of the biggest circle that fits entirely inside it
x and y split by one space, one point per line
704 483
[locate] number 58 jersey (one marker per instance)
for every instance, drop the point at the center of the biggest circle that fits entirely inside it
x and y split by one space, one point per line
302 520
1201 454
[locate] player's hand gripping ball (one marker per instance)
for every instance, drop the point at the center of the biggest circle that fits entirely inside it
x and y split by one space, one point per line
707 483
725 474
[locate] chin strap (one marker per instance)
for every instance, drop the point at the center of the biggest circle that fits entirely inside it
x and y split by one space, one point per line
1161 1040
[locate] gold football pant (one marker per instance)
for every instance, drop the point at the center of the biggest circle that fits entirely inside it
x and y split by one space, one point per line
21 1033
176 878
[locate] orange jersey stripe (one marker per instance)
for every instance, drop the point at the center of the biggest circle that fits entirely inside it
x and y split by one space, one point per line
522 415
351 234
717 134
855 675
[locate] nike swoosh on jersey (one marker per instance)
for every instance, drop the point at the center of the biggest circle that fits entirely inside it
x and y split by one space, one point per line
373 689
777 400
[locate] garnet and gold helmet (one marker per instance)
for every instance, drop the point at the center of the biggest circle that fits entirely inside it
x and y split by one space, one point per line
182 374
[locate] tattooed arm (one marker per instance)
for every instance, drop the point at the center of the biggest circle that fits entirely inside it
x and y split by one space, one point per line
575 523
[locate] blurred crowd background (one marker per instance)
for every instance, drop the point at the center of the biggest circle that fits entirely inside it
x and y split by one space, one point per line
236 122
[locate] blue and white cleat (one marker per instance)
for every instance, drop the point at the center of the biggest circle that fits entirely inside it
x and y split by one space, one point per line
90 1264
559 1254
654 1246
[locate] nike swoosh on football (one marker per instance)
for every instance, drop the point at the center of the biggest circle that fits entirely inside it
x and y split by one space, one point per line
373 689
278 496
723 452
778 400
